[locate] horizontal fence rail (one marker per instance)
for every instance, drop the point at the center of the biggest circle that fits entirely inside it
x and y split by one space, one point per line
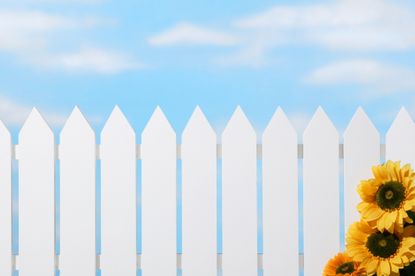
199 207
218 152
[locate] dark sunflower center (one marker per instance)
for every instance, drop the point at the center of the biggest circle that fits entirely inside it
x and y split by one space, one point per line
382 245
345 268
390 195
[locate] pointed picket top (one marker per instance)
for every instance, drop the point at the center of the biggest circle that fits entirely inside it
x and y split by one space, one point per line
118 196
238 123
117 122
280 173
36 154
4 131
319 122
35 123
77 153
198 125
158 123
239 213
158 210
199 176
320 173
360 122
402 123
400 137
402 119
361 152
76 123
279 125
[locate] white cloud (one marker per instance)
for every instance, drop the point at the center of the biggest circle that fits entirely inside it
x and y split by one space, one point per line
29 35
60 2
28 31
251 56
339 25
88 60
14 114
69 1
33 21
189 34
336 13
384 78
343 24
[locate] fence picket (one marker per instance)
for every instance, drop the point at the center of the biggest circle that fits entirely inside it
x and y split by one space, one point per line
239 191
280 197
158 152
400 139
77 197
199 196
118 201
5 201
321 193
361 152
36 197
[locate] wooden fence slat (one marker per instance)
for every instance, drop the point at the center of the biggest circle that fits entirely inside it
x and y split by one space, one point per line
158 152
199 197
77 197
36 197
239 191
5 201
400 139
361 152
280 197
321 193
118 200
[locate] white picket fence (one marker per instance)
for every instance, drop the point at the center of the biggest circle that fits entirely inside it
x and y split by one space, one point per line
185 209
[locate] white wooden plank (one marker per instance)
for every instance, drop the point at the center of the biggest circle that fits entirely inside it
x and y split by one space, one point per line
280 197
158 154
118 201
400 139
77 197
321 193
36 197
239 191
199 197
361 152
5 201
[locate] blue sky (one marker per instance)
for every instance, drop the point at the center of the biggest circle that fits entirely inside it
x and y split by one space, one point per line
339 54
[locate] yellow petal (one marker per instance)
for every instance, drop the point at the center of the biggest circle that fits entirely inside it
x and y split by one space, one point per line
372 265
390 219
384 268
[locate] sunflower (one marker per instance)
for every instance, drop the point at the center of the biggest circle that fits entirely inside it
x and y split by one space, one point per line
378 252
388 197
342 264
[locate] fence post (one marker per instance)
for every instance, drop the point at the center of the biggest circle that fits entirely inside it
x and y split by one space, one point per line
36 198
77 154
